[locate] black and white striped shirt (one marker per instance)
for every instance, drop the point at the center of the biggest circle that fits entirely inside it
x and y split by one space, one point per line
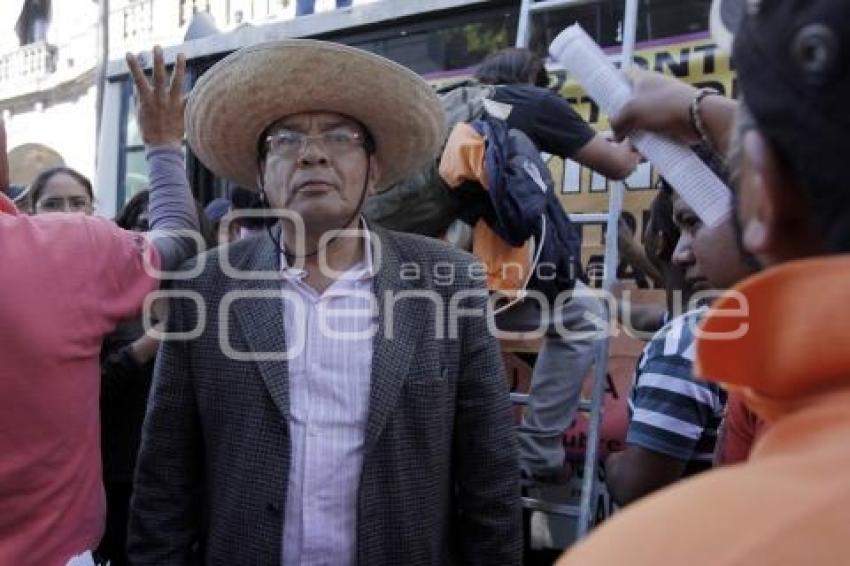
671 411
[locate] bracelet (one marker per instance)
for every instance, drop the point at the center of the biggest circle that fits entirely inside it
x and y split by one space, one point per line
696 117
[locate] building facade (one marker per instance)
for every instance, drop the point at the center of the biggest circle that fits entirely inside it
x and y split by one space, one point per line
49 64
48 59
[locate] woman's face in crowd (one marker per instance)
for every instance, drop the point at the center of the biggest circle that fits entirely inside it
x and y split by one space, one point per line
709 255
63 193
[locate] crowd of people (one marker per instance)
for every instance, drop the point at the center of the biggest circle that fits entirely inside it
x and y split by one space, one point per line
275 379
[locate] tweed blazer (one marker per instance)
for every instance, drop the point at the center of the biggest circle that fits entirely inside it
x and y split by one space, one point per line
439 483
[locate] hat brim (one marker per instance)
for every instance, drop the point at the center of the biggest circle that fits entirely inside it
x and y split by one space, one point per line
725 19
238 98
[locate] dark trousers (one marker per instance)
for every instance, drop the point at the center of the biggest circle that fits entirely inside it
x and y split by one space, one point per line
113 545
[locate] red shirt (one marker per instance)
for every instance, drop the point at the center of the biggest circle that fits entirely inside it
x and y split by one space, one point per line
741 428
66 280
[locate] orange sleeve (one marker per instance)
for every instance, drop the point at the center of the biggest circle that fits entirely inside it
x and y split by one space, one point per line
463 157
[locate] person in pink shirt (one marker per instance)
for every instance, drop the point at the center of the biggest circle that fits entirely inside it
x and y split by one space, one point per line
66 280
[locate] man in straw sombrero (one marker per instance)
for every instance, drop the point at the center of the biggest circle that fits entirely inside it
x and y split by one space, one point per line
342 400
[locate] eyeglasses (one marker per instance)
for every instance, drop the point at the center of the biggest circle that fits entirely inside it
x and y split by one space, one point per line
289 143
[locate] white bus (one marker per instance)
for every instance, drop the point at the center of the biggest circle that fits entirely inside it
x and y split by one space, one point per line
437 38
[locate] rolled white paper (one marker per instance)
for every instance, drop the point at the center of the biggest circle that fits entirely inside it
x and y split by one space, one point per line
692 179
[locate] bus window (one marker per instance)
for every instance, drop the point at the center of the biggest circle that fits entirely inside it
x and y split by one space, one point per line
135 167
657 19
441 44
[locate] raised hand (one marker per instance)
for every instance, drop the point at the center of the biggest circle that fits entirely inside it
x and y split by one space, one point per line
659 104
161 102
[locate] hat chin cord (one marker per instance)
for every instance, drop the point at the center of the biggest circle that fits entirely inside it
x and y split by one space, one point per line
277 241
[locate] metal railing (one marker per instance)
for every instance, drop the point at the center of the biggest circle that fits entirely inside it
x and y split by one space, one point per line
29 62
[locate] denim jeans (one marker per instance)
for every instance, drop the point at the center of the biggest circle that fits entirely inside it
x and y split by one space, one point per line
307 7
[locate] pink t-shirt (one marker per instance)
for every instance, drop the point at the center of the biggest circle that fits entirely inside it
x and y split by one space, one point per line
65 281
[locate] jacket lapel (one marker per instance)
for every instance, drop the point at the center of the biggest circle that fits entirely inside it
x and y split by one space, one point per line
395 342
261 320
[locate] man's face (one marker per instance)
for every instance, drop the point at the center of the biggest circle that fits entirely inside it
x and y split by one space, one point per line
321 177
709 256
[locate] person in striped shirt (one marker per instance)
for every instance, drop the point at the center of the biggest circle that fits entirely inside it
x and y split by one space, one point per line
674 417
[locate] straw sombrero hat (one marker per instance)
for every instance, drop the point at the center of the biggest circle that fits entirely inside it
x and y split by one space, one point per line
244 93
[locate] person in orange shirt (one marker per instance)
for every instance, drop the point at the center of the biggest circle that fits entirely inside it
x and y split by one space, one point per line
790 502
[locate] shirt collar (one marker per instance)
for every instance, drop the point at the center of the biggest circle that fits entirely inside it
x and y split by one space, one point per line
362 270
790 331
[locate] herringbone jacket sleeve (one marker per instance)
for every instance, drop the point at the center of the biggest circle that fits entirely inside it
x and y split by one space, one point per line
485 450
165 509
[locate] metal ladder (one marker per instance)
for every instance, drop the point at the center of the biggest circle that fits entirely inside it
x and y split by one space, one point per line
586 510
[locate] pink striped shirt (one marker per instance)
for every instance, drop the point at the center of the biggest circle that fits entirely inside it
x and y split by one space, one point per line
329 339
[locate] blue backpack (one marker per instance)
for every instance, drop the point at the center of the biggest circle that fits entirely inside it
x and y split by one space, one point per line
521 203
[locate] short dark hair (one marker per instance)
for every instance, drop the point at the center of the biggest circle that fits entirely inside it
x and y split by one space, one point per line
128 216
661 209
41 180
793 68
513 65
821 185
661 220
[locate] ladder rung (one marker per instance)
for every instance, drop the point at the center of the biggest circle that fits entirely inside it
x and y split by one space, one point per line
522 399
550 508
519 398
544 5
589 218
